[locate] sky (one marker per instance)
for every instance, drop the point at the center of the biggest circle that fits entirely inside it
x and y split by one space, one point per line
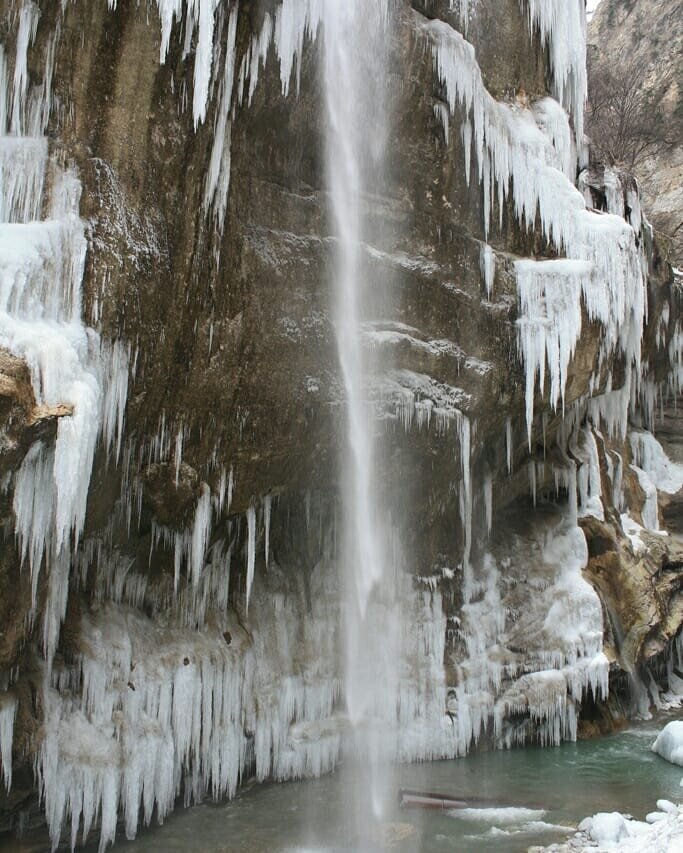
591 6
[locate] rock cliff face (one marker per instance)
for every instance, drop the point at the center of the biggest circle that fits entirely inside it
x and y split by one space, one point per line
649 35
172 411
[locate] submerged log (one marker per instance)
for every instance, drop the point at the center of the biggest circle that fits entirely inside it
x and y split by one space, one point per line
425 800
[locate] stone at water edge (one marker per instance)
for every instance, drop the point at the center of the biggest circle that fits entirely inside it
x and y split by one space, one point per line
669 742
654 817
607 827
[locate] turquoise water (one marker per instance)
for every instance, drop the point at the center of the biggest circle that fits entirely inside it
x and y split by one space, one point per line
559 785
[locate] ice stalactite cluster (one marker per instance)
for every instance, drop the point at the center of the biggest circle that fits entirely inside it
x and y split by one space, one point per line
550 294
501 693
154 710
528 154
286 28
166 710
562 26
42 257
200 16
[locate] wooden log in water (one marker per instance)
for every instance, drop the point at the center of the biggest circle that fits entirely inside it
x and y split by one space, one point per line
427 800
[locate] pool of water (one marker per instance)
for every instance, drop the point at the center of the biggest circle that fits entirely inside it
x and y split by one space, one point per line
528 796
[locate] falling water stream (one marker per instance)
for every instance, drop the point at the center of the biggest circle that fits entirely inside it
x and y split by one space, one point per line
355 70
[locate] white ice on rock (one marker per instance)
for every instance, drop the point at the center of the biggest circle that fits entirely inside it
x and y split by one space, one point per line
669 742
561 623
527 154
612 832
41 270
650 456
562 25
165 710
487 263
550 323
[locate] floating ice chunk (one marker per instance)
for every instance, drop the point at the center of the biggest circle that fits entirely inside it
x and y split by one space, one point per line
669 742
608 828
667 806
510 814
654 817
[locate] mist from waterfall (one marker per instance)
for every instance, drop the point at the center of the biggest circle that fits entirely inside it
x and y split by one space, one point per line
356 34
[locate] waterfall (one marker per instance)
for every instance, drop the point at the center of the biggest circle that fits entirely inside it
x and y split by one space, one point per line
355 36
205 645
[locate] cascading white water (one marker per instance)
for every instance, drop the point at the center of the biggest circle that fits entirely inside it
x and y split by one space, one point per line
355 36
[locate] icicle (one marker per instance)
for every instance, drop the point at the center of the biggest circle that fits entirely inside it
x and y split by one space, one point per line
231 486
509 447
266 520
178 455
465 498
218 175
222 487
28 23
116 362
487 264
525 155
201 533
467 147
251 549
8 711
549 323
562 25
488 501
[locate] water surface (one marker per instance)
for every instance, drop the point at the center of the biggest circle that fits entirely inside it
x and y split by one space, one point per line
533 793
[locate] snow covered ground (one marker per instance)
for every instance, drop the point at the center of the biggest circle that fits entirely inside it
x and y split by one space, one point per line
669 743
611 832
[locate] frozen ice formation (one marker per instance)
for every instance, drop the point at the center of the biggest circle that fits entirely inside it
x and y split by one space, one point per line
669 742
